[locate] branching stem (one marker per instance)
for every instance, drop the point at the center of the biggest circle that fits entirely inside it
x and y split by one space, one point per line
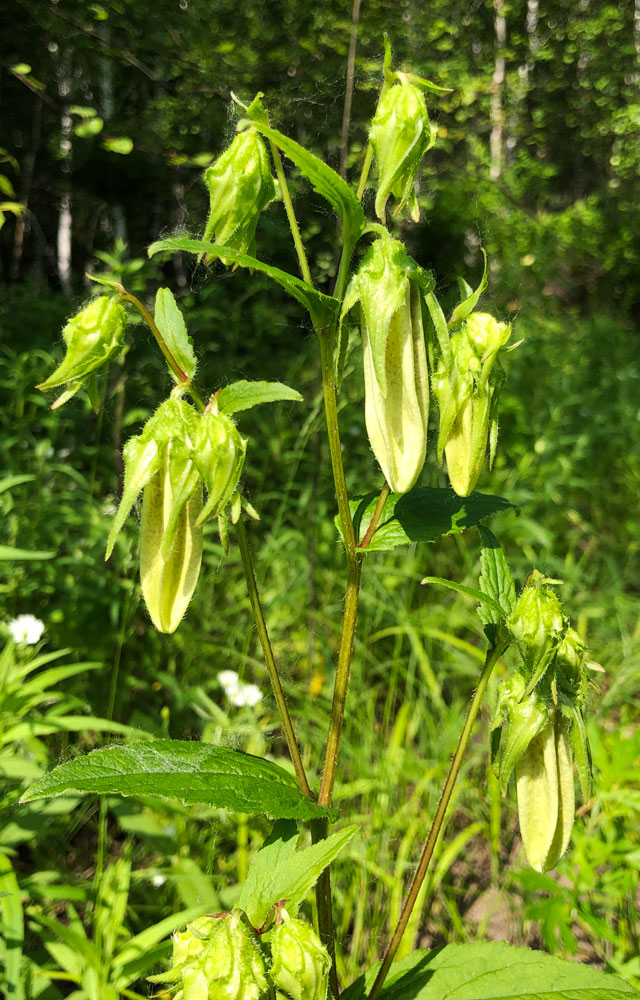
491 658
263 635
291 216
375 517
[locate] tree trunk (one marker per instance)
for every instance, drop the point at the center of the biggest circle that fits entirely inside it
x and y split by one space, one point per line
496 112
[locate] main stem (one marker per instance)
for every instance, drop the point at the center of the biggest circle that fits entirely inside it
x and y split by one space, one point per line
427 854
263 635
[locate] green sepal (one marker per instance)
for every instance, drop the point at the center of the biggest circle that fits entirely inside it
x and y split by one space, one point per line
536 626
526 717
219 453
470 300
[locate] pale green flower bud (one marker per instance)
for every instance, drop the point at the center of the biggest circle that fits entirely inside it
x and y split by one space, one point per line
92 337
301 963
467 386
229 968
400 135
189 946
520 719
159 461
546 799
387 286
536 626
219 455
240 188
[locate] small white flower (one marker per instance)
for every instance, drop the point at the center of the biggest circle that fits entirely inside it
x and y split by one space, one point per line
245 694
158 880
228 679
26 629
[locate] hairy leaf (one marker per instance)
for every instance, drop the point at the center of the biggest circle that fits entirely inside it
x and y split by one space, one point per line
243 395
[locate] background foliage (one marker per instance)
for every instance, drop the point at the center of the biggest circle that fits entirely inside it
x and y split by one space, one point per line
110 112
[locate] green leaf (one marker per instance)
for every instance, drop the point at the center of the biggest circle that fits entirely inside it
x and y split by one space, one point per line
8 482
421 515
495 579
9 554
89 127
12 930
321 308
243 395
468 304
477 595
325 181
491 971
190 772
281 872
171 325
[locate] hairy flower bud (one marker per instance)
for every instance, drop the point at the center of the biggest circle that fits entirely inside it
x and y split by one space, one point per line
240 188
229 968
92 337
536 626
546 800
400 136
301 963
387 285
467 385
219 455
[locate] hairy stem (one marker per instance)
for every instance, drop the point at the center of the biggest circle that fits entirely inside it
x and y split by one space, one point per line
491 658
291 216
261 626
375 518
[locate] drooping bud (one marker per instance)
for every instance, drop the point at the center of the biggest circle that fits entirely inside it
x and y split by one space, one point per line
92 337
189 946
159 461
400 136
536 626
546 801
388 287
240 188
301 963
467 386
520 719
219 455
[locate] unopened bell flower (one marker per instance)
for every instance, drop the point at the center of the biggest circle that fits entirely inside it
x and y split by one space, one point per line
92 337
240 188
388 287
467 385
400 136
301 963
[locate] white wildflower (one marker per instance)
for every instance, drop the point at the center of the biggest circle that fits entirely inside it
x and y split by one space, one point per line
237 692
26 629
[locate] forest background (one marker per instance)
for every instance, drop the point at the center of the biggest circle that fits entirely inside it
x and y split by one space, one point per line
109 114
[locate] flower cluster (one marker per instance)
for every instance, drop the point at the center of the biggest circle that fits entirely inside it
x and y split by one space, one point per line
237 692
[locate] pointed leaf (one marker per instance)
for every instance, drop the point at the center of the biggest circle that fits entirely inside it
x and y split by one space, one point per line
190 772
468 304
477 595
325 181
171 325
491 971
12 930
495 579
293 876
422 514
321 308
243 395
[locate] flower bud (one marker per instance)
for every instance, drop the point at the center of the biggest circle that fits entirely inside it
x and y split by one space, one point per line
400 136
92 337
219 455
536 626
467 386
159 461
546 801
301 963
520 719
189 946
240 188
395 363
229 968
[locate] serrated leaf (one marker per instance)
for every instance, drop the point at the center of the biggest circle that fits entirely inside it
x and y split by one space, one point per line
281 872
422 514
491 971
325 180
495 579
171 324
243 395
321 308
190 772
